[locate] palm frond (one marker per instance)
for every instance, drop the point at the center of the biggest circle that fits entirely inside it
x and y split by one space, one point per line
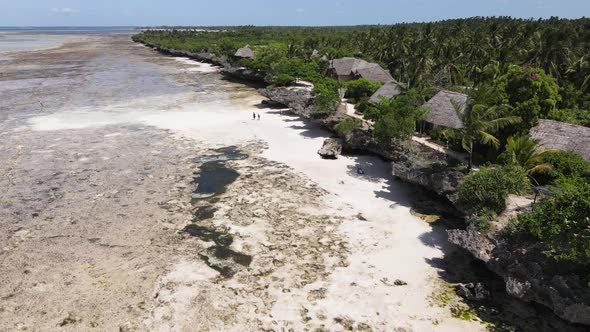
500 123
489 139
466 144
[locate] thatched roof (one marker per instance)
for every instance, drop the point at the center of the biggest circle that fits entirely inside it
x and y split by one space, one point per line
442 112
344 66
360 68
388 90
374 73
562 136
245 52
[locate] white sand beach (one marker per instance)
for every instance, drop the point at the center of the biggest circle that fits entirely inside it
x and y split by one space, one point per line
386 244
108 154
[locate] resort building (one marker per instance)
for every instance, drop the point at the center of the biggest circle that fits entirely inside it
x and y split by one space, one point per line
388 90
442 111
347 69
562 136
245 53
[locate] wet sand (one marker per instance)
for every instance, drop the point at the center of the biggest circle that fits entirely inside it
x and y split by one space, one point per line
102 145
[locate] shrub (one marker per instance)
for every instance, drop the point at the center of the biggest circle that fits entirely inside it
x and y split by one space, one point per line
370 112
563 221
485 191
566 164
346 126
279 79
327 95
361 89
398 116
574 115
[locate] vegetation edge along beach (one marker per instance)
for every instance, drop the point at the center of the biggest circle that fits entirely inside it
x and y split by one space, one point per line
491 114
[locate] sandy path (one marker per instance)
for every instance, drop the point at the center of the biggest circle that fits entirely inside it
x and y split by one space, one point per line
316 263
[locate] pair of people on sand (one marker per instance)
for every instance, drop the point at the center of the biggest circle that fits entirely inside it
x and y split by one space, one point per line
254 116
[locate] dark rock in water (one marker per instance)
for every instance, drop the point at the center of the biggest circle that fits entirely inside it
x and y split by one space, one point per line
225 261
209 234
398 282
203 213
331 149
299 100
473 292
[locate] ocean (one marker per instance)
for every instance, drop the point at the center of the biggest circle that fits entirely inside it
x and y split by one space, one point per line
17 39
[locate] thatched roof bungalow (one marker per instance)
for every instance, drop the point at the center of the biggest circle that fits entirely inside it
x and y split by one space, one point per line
347 69
245 53
562 136
442 112
388 90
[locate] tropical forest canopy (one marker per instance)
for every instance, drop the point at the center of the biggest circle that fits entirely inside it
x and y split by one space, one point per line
463 52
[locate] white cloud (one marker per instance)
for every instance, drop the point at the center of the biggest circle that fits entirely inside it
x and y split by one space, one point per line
66 10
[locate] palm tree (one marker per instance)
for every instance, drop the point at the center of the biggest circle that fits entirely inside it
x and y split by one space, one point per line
522 150
480 122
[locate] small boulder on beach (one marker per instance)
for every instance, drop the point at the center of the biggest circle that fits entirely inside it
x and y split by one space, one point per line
331 149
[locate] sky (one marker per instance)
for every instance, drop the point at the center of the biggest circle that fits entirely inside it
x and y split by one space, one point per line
271 12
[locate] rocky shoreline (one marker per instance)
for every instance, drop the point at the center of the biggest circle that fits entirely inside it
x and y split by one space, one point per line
234 72
526 272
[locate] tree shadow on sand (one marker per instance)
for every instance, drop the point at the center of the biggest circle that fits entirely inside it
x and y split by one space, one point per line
309 130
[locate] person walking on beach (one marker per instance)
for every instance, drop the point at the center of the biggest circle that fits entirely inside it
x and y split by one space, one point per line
258 116
253 116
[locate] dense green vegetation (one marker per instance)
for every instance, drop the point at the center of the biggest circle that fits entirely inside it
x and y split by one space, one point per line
563 221
565 164
360 90
530 92
484 193
397 118
346 126
521 150
480 122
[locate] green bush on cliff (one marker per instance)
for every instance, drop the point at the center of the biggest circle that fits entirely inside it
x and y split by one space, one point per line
326 95
484 192
346 126
562 222
565 164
